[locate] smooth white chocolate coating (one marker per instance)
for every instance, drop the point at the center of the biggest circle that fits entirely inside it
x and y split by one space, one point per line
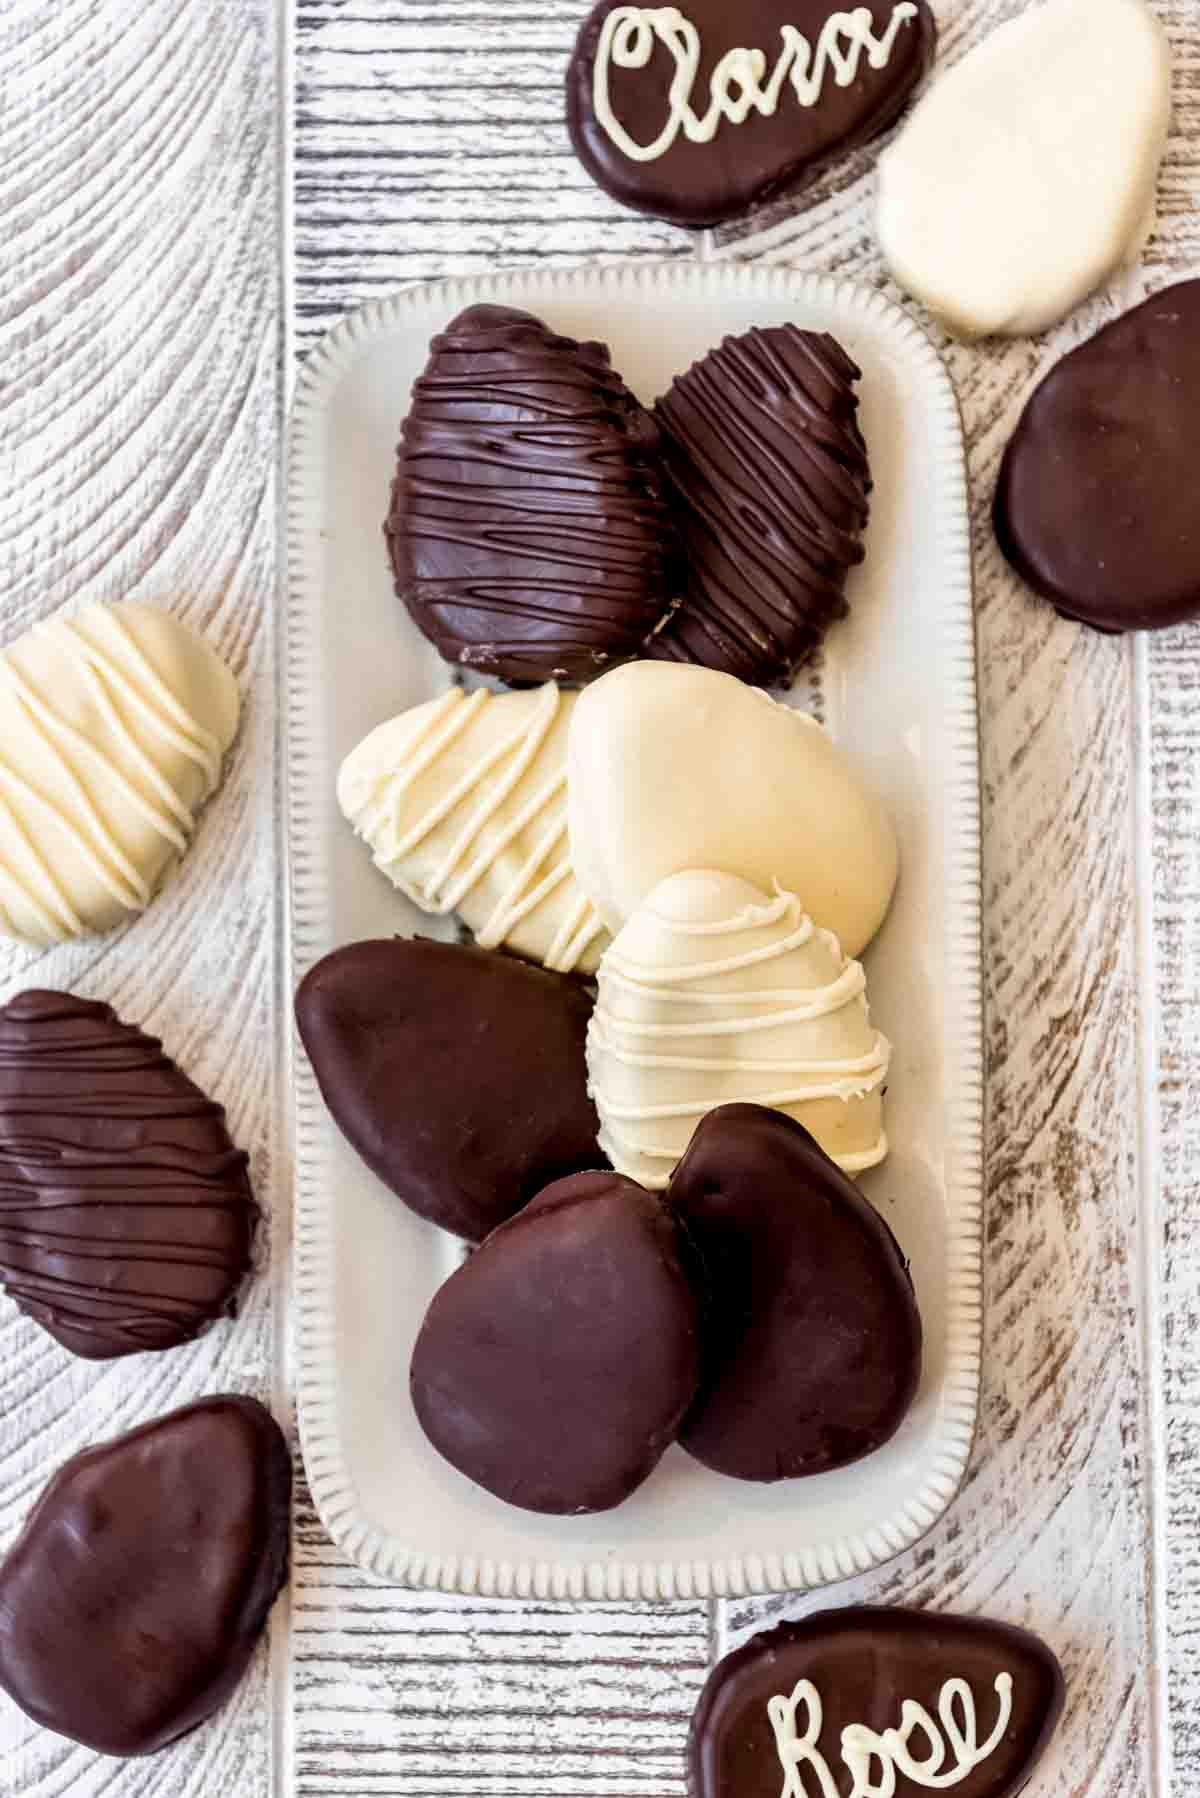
714 992
673 767
463 804
113 725
1027 174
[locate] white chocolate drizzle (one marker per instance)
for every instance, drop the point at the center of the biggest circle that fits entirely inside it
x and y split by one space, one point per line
118 685
874 1759
658 1028
630 33
501 797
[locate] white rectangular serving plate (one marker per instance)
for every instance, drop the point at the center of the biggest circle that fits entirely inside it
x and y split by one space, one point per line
897 687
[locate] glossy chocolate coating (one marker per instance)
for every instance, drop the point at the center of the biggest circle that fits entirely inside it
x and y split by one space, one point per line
457 1074
812 1338
126 1216
554 1366
769 475
132 1600
865 1662
1095 506
528 530
743 165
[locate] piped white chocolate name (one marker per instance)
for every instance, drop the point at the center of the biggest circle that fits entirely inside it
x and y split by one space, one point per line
874 1759
737 86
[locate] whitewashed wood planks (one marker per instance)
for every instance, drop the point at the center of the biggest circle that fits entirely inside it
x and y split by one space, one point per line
430 141
139 415
421 1694
1169 674
1080 1474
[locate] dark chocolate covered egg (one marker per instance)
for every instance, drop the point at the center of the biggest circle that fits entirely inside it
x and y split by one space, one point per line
869 1700
554 1366
528 530
126 1215
133 1598
812 1338
695 112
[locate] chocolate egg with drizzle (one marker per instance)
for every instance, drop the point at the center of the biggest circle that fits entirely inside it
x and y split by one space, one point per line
768 471
114 721
528 531
126 1215
872 1700
715 991
463 804
695 112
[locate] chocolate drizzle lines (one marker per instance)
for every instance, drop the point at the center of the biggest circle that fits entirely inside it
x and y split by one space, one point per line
126 1215
528 530
770 481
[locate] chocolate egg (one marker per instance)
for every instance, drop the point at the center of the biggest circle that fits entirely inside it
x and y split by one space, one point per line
1026 175
671 768
1093 506
463 803
554 1366
715 992
528 531
126 1215
849 1701
115 721
694 113
812 1338
458 1075
132 1600
768 471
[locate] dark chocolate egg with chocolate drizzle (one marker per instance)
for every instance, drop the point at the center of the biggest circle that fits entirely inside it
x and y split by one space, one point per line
696 112
126 1216
1095 506
769 475
528 532
132 1600
863 1699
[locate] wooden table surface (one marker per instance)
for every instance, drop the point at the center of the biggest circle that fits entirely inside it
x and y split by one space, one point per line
178 230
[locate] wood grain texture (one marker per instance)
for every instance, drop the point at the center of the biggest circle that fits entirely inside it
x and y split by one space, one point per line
1170 699
435 1696
139 414
430 141
1085 1463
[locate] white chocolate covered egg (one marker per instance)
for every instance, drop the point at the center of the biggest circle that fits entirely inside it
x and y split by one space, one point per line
114 721
715 992
463 804
1027 173
673 767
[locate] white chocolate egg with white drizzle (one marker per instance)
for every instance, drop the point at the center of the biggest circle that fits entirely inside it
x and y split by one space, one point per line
114 721
463 803
715 992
